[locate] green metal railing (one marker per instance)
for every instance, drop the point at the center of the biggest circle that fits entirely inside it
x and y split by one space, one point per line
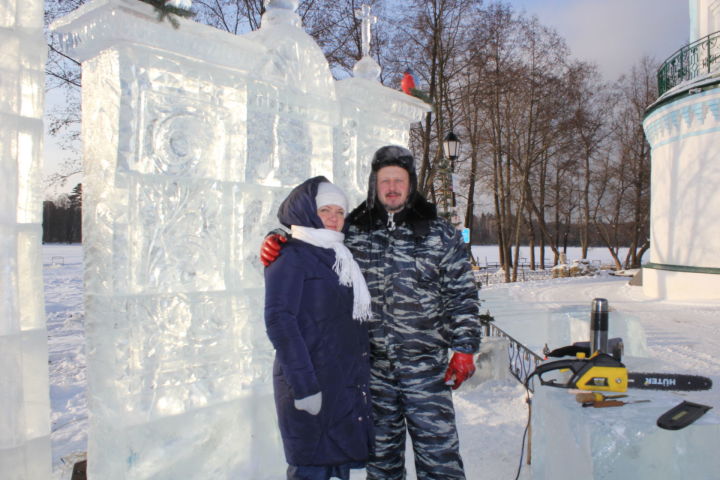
698 58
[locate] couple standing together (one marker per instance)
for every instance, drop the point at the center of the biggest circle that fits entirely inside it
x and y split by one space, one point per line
361 310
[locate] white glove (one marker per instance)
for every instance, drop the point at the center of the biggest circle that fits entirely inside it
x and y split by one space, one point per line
310 404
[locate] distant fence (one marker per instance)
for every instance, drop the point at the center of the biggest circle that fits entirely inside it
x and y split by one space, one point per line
490 273
486 276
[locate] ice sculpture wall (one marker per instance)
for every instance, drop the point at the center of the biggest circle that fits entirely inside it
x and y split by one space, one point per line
24 398
192 137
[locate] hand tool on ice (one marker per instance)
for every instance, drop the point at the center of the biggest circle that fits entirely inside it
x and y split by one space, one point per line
595 397
610 403
604 373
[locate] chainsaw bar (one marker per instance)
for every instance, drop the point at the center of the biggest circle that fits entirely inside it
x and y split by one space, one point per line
601 372
668 381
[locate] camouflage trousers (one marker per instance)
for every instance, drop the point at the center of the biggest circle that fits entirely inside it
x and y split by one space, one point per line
413 396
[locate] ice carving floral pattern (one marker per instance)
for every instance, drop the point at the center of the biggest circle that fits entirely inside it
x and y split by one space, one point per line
182 136
188 350
179 140
180 236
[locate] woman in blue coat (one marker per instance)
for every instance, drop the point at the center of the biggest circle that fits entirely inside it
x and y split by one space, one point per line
316 301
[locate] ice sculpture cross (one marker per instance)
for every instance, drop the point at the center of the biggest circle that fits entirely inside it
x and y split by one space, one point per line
368 20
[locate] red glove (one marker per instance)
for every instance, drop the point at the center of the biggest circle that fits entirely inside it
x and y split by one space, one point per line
270 249
461 368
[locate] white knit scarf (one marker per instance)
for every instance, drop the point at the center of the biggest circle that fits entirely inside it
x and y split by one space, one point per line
345 266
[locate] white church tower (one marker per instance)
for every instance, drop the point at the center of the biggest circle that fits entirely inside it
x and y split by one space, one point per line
683 128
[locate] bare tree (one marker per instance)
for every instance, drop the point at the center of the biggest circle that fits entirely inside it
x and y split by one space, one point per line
535 123
234 16
62 80
540 115
589 125
515 119
623 182
426 37
495 72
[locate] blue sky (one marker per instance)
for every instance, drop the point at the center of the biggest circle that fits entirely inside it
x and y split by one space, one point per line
615 34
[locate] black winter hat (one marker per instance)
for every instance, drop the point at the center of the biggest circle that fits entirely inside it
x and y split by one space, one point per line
391 155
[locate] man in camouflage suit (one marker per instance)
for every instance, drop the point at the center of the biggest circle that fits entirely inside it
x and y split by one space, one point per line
424 302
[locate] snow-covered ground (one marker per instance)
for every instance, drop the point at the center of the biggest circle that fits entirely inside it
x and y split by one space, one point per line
680 337
63 269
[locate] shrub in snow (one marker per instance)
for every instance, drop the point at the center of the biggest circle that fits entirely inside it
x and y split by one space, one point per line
578 268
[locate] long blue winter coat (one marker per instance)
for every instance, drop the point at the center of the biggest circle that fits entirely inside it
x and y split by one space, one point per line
318 347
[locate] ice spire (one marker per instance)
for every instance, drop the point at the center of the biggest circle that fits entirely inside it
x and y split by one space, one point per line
367 67
368 20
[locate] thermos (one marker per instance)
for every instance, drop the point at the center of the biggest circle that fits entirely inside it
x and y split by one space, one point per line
599 326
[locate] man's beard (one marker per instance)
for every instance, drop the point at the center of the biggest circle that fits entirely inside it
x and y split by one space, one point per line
393 209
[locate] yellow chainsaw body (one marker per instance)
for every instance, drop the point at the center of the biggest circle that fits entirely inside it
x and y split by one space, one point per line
600 372
603 379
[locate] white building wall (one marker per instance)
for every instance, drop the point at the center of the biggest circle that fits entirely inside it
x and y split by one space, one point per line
685 209
704 18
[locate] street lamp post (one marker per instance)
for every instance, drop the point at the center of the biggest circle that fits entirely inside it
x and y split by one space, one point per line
451 148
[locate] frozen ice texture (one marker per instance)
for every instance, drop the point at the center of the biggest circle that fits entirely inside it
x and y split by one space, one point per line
492 362
24 392
21 16
365 126
192 138
561 328
571 442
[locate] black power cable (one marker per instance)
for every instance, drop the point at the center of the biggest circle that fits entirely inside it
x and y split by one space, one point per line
528 400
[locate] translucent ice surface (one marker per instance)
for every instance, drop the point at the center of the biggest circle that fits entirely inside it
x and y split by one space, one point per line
24 394
571 442
558 327
22 14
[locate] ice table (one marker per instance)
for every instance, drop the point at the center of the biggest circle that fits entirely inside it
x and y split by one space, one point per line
572 442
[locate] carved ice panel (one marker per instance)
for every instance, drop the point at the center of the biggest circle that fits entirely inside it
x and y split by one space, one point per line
187 351
295 149
179 235
263 161
345 164
254 215
180 136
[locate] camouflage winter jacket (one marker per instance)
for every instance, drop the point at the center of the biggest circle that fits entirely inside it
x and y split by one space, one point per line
424 299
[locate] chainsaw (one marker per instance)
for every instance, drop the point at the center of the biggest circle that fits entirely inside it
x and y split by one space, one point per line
603 372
